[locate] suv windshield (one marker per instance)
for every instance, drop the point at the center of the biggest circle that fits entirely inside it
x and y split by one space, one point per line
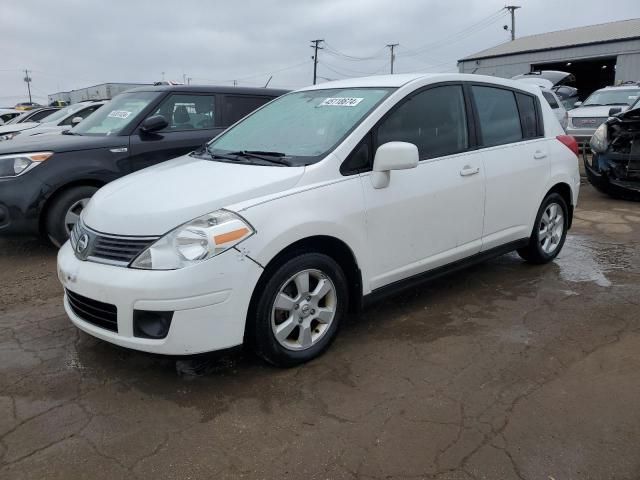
302 126
116 115
613 97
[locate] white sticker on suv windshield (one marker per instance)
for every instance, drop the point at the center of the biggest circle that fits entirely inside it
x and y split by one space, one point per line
341 102
119 114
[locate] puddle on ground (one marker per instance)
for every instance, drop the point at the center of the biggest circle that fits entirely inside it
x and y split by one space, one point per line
583 260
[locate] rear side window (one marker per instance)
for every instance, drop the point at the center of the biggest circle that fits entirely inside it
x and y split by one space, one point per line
498 115
551 99
434 120
528 117
236 107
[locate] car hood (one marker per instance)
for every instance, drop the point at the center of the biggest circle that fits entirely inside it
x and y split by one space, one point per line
155 200
17 127
596 111
60 143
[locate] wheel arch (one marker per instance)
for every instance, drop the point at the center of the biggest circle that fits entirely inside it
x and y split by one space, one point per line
44 210
331 246
564 190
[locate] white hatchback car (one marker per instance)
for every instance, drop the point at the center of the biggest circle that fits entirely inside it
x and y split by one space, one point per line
316 202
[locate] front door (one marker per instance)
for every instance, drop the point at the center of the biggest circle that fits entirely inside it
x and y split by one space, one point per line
431 215
192 123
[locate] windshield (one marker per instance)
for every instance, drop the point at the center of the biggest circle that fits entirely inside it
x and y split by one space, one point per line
303 126
612 97
63 113
116 115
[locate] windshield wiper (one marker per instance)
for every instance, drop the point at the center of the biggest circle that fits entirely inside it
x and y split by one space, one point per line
272 157
69 132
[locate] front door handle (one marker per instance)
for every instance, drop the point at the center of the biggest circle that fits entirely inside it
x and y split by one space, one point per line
469 170
539 155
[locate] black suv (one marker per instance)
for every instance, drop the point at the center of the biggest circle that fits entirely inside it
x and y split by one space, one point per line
46 180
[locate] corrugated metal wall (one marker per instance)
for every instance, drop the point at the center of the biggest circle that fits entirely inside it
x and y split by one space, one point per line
628 65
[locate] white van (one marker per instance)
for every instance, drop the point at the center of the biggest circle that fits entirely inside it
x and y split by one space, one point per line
318 201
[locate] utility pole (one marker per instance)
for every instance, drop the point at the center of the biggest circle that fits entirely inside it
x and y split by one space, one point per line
316 46
27 79
392 46
163 76
512 9
189 80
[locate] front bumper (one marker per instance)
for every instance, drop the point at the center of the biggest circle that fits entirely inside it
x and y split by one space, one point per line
209 300
21 199
601 174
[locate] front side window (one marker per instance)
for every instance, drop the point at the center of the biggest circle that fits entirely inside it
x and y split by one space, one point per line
117 114
188 112
434 120
302 126
498 115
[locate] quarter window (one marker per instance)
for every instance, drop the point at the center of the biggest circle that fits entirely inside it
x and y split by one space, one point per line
188 112
434 120
528 117
551 99
498 115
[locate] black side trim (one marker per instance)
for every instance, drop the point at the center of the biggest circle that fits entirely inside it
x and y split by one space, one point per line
395 287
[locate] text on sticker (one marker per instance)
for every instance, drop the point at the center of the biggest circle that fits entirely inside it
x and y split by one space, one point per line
341 102
119 114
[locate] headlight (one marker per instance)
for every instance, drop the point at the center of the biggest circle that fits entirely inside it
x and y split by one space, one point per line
195 241
599 141
8 136
19 163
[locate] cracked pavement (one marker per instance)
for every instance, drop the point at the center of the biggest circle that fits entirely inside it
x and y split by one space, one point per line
501 371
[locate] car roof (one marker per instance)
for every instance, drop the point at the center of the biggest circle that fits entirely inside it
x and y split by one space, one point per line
210 89
403 79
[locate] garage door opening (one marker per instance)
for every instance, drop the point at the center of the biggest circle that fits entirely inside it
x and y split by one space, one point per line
590 74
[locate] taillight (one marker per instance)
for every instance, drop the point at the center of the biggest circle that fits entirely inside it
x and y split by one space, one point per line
569 142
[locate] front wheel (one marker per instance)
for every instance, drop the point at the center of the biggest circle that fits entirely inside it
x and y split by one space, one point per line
549 231
65 211
300 309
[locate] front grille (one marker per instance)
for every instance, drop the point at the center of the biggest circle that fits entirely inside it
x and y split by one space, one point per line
101 314
587 122
105 248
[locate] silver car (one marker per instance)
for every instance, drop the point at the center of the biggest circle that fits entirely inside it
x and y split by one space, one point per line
600 105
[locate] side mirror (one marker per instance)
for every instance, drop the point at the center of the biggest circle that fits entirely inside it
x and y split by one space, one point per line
392 156
577 104
153 124
76 120
614 110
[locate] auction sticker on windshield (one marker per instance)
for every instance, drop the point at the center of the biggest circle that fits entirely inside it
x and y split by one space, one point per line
119 114
341 102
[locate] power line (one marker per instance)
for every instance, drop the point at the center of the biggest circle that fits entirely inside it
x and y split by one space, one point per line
336 53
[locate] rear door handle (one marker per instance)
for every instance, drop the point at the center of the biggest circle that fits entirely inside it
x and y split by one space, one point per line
469 170
539 155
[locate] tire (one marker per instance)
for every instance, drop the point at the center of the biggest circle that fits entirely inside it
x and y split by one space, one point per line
544 247
65 208
308 322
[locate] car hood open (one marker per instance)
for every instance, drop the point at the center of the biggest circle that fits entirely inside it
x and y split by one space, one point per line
160 198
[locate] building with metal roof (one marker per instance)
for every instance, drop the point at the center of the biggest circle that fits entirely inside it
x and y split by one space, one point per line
103 91
598 55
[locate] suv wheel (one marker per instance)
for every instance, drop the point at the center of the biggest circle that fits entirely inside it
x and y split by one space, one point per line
549 231
300 309
65 211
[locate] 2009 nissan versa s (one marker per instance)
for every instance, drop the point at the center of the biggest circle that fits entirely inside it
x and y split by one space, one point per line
315 202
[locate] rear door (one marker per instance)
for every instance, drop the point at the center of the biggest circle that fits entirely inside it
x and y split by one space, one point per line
515 158
430 215
193 120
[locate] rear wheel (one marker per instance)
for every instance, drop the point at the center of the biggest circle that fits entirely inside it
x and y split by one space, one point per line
300 309
65 211
549 231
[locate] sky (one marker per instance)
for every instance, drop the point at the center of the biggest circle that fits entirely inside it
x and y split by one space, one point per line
68 44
